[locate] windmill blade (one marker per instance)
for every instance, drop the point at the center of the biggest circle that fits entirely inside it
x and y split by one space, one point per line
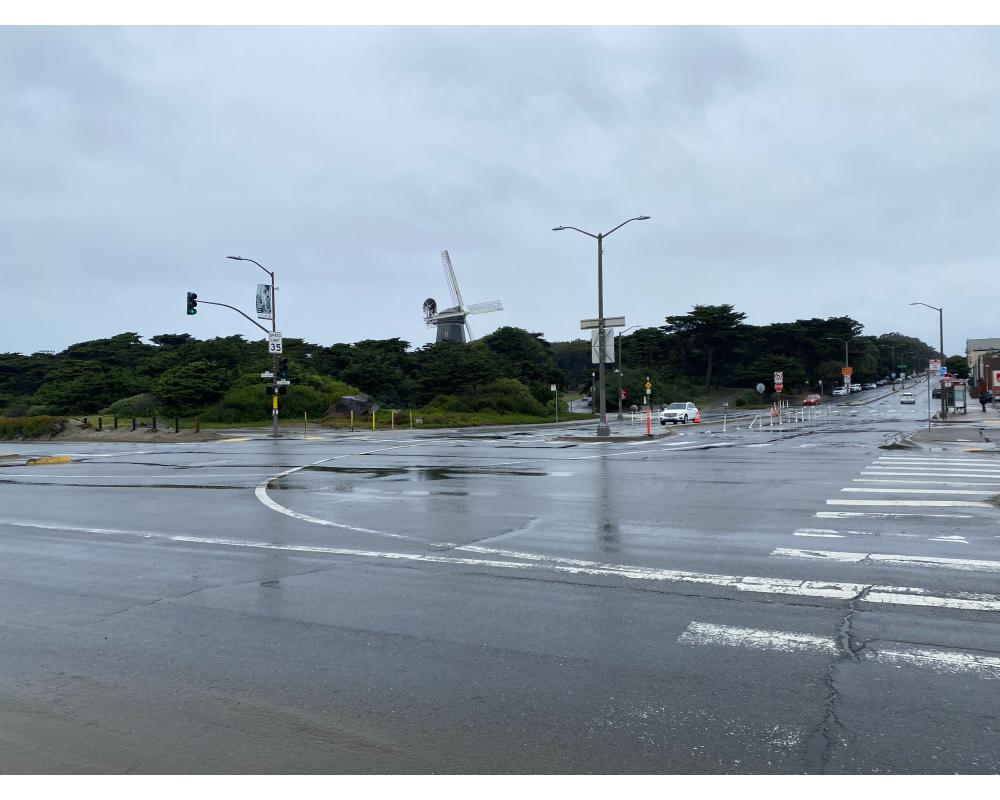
484 308
449 276
468 330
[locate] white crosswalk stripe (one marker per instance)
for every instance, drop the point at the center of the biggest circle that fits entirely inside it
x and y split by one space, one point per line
943 660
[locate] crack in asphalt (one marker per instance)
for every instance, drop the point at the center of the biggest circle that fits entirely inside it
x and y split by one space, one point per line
823 738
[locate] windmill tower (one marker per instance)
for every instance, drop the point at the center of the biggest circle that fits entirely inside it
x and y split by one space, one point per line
452 323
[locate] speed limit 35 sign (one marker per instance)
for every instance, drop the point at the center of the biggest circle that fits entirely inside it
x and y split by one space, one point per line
274 342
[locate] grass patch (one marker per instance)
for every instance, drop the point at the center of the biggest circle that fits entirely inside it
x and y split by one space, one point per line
31 427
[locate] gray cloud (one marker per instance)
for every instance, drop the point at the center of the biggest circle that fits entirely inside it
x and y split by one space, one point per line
791 172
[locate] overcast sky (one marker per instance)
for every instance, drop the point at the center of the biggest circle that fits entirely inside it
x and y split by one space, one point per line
794 172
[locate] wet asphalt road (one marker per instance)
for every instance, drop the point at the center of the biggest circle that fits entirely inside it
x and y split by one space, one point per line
467 602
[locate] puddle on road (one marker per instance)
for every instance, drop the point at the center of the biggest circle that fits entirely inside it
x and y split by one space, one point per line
426 473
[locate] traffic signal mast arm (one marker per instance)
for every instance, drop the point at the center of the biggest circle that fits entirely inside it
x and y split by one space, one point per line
234 308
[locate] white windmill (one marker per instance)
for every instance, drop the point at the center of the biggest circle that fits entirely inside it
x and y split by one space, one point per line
452 323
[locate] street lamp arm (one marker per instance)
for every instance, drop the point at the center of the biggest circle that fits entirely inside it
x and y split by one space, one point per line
234 308
626 222
571 228
928 305
241 258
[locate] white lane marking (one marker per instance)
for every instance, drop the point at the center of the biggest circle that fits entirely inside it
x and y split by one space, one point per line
616 453
932 460
872 489
911 474
939 660
883 514
762 444
701 633
892 595
974 565
830 533
911 503
948 661
931 468
925 483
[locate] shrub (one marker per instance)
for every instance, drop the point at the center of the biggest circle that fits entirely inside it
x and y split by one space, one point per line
31 427
138 405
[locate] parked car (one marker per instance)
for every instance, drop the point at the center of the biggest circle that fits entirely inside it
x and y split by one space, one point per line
908 397
869 386
839 391
812 400
855 388
936 391
679 412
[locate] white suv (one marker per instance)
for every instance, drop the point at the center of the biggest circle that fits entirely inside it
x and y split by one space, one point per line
839 391
679 412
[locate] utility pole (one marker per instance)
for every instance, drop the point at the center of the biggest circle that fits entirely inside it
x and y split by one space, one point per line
275 352
603 429
944 390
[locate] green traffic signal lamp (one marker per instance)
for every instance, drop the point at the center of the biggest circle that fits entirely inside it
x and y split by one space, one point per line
283 368
192 303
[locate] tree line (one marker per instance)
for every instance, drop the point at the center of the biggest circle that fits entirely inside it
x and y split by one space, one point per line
511 369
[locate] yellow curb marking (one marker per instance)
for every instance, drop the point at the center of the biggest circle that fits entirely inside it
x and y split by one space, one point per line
50 460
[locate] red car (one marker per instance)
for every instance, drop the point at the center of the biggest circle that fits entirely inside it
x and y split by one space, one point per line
812 400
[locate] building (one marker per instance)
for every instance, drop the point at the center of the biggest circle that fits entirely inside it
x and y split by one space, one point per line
982 355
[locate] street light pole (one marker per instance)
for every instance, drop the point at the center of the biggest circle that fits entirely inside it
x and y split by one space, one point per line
619 370
944 393
847 362
603 429
274 356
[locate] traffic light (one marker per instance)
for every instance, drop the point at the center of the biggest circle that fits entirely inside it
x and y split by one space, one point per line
192 303
283 369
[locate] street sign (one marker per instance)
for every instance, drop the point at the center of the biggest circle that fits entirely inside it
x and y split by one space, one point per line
779 387
847 372
283 383
760 388
609 347
609 322
934 364
552 387
274 343
779 377
648 385
996 377
624 394
267 374
893 374
942 370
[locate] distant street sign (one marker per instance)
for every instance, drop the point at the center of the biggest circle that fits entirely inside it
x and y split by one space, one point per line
760 388
942 370
779 387
552 387
267 374
609 322
893 374
283 383
847 372
648 385
934 364
274 342
779 377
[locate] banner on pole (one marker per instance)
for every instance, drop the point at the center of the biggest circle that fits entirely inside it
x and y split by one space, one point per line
265 309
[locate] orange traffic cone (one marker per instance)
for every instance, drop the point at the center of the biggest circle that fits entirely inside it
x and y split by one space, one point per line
697 417
774 409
